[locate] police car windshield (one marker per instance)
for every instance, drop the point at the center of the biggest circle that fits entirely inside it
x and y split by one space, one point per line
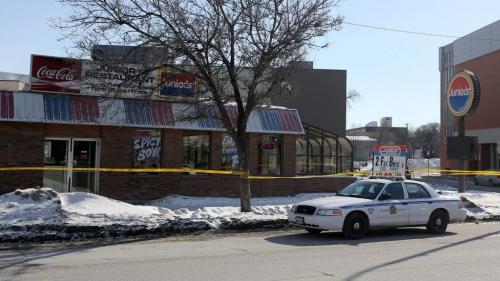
362 189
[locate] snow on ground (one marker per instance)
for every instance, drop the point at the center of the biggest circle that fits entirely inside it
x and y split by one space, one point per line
191 207
82 208
23 212
422 163
483 205
30 206
45 210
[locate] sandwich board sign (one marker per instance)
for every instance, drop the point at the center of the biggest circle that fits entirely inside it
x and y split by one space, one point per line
389 160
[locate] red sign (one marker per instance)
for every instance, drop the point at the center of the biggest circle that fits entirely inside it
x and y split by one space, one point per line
55 75
463 94
174 84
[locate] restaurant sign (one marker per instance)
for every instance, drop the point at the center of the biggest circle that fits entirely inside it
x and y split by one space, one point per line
463 94
88 77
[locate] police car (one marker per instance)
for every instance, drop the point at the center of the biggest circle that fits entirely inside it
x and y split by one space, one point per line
378 203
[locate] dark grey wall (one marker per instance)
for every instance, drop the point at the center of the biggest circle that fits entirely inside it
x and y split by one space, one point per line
320 97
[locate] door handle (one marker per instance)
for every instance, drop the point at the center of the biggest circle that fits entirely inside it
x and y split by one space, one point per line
429 202
405 203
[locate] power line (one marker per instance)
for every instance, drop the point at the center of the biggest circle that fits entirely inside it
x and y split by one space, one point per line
419 33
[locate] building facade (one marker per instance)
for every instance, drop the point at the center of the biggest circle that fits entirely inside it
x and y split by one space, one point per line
68 133
478 52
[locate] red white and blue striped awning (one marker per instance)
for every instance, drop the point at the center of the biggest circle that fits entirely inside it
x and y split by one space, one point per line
89 110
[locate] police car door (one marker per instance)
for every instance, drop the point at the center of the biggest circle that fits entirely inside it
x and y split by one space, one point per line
420 203
393 211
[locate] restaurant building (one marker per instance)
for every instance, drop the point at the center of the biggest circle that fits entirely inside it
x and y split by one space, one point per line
61 122
478 52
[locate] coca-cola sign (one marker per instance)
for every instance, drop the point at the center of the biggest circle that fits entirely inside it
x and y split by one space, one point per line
56 75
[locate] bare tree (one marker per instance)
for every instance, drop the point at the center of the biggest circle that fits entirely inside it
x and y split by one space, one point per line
351 97
427 136
236 49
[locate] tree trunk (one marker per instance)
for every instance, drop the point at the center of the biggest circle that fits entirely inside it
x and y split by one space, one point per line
244 181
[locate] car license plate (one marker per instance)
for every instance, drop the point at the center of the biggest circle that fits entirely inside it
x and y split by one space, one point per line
299 220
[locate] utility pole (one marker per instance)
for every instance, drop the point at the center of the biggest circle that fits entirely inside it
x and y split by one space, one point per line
461 178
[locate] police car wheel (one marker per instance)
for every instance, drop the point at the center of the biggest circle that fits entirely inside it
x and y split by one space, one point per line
438 222
313 230
355 226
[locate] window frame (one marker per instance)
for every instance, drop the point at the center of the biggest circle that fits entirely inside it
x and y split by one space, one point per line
185 164
422 187
405 195
279 157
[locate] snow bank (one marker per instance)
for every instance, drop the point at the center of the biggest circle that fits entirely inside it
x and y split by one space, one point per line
482 205
90 209
30 206
42 212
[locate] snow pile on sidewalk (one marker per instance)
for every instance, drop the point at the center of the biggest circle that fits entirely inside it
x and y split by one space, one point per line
29 207
82 208
42 212
217 210
481 205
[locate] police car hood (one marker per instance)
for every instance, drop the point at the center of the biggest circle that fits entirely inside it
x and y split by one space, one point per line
335 202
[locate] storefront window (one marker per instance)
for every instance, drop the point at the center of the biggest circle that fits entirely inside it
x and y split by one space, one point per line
315 162
196 150
270 155
329 156
147 148
300 156
322 152
230 157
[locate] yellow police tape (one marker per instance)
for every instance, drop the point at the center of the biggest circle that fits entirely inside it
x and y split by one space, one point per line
242 174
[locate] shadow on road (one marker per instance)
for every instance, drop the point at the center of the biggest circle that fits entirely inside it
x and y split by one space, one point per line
337 238
25 256
357 275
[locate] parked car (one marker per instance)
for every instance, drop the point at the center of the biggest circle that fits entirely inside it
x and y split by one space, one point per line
379 203
487 179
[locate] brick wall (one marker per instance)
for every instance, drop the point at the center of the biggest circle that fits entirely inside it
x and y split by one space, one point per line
21 144
288 155
143 187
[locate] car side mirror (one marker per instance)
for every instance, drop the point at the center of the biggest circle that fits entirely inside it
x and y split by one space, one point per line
384 197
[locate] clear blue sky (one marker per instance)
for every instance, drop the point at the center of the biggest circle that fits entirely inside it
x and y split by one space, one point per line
396 74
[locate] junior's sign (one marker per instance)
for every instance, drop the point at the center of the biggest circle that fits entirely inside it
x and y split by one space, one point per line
389 161
463 94
174 84
55 75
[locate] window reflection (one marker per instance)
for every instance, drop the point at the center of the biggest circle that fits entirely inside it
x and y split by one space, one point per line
196 150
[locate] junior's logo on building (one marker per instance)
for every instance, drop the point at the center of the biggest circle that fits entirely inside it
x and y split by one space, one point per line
173 84
463 94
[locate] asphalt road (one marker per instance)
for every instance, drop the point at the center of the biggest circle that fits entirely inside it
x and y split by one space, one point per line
466 252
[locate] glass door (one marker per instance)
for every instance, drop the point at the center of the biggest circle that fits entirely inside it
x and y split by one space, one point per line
83 154
55 156
67 154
